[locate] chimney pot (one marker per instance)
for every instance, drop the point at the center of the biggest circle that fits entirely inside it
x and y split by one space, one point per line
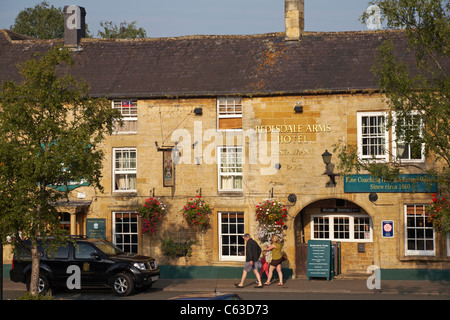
74 25
294 11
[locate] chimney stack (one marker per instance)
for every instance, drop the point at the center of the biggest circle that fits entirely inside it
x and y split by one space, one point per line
74 25
294 13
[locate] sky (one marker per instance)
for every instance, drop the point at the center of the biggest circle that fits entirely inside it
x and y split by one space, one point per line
171 18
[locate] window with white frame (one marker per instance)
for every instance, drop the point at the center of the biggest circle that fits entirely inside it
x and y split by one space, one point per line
419 233
125 169
411 130
341 227
230 167
373 142
128 109
125 231
229 113
231 232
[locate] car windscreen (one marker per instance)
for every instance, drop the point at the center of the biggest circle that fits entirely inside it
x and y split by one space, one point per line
107 248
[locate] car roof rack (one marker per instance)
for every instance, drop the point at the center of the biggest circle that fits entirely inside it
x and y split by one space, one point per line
79 237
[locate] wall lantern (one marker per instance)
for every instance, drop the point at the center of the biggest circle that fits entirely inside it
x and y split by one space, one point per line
198 111
298 109
329 168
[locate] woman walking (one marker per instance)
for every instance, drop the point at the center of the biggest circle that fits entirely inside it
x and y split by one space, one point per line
277 259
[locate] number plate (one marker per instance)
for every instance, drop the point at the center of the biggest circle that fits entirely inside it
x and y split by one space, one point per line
154 278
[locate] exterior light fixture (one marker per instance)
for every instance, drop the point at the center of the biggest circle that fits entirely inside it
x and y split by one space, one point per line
198 111
326 156
329 168
298 109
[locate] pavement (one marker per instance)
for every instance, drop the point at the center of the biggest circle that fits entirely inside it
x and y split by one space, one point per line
344 286
336 286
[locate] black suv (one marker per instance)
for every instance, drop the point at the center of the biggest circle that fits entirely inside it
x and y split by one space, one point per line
100 264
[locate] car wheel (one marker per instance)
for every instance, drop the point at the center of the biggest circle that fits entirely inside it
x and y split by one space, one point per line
43 284
122 284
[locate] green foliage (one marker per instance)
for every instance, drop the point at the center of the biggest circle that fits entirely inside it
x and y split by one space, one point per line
49 133
125 31
418 92
29 296
41 21
173 249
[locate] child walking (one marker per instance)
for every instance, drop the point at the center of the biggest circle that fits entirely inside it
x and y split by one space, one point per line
264 265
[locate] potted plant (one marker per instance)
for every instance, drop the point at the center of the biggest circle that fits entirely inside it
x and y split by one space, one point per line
151 213
196 213
270 215
439 213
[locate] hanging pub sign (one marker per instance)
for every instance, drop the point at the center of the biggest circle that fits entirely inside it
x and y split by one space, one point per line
168 169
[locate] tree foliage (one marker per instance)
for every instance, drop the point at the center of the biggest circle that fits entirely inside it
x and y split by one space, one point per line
417 93
41 21
50 130
124 31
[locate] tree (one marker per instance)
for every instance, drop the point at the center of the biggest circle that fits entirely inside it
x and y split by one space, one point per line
42 21
125 31
418 96
50 130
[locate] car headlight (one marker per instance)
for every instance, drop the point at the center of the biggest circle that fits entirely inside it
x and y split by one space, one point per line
139 265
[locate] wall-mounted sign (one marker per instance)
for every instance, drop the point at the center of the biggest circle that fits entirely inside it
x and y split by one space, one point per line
387 228
95 228
408 183
168 169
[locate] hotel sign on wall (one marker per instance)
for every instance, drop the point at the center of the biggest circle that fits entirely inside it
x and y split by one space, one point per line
295 140
291 134
294 133
408 183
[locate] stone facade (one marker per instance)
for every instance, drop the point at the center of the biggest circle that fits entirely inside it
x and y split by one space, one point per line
243 119
296 167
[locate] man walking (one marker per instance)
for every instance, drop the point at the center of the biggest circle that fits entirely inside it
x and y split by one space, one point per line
252 253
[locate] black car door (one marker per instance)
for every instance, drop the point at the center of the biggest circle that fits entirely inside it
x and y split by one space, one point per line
57 261
91 263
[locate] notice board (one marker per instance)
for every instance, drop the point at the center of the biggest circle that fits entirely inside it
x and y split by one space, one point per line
95 228
319 261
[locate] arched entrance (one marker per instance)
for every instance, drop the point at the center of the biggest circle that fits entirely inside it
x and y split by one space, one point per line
346 224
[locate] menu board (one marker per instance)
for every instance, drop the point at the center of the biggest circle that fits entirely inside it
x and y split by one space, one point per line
319 262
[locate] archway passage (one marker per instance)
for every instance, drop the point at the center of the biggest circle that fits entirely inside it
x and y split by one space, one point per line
346 224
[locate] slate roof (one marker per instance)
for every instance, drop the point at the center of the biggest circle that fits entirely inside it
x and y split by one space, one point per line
216 65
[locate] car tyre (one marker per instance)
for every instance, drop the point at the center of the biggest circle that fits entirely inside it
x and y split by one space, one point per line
122 284
43 284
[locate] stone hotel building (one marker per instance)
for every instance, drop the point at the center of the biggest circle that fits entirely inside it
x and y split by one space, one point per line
238 119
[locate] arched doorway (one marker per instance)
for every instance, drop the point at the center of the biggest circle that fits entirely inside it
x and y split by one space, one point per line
346 224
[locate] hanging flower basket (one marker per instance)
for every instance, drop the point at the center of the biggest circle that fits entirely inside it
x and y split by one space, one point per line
151 213
196 213
439 214
270 215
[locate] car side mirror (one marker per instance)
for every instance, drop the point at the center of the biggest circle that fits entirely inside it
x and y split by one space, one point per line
95 256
